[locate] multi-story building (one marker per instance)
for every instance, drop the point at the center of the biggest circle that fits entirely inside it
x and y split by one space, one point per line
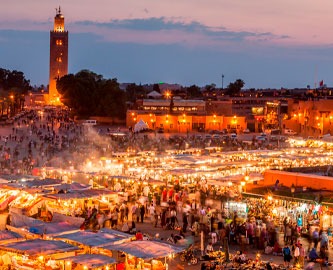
261 112
310 117
58 57
179 115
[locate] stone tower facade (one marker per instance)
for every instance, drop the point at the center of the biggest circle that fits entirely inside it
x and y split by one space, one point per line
58 57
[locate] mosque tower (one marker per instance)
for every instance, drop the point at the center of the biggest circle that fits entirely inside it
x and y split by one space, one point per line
58 56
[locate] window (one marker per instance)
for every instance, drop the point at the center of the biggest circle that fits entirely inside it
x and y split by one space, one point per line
59 42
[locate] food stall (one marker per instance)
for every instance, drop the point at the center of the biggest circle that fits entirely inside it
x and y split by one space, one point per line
75 202
146 255
90 241
36 253
89 261
7 236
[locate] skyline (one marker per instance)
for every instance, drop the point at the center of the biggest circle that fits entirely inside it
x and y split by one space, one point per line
283 44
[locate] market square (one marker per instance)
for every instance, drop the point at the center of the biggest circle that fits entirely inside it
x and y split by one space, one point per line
62 183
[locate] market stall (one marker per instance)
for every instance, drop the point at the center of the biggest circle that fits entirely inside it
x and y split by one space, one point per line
90 241
145 255
37 253
89 261
74 203
33 228
9 237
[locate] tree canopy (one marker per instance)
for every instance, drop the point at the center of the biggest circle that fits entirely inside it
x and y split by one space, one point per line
193 91
234 88
89 94
14 81
133 92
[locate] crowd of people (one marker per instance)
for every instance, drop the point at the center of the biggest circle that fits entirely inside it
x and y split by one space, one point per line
50 138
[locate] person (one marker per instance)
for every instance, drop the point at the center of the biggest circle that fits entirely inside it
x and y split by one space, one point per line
310 266
296 254
301 255
142 212
174 238
185 222
173 217
152 210
133 211
114 218
156 216
240 257
163 218
268 265
323 247
133 228
277 250
125 228
315 238
313 255
139 236
164 195
286 255
209 248
137 213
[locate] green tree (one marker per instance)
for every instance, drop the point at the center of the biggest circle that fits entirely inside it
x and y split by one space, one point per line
234 88
89 94
193 91
156 88
133 92
14 81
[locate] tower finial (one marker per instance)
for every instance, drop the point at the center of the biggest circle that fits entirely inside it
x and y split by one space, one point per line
59 10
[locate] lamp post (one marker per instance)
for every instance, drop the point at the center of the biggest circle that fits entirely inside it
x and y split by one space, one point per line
222 80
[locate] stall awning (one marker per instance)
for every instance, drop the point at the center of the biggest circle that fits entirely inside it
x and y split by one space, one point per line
38 247
95 239
6 235
80 194
91 260
146 249
38 227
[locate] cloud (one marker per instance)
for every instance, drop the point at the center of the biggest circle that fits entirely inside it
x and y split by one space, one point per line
171 31
157 31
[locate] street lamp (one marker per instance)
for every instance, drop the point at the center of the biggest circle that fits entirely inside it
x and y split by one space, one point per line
222 80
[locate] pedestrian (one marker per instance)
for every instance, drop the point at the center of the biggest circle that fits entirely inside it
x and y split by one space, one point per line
163 218
185 222
301 255
152 209
286 255
137 213
142 212
296 254
155 218
133 211
214 237
315 238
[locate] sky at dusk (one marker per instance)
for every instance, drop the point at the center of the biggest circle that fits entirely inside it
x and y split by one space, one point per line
268 44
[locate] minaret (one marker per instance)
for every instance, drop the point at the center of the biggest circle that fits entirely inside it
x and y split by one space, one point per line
58 56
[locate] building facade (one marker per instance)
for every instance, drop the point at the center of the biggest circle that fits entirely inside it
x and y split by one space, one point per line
311 117
181 116
58 57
